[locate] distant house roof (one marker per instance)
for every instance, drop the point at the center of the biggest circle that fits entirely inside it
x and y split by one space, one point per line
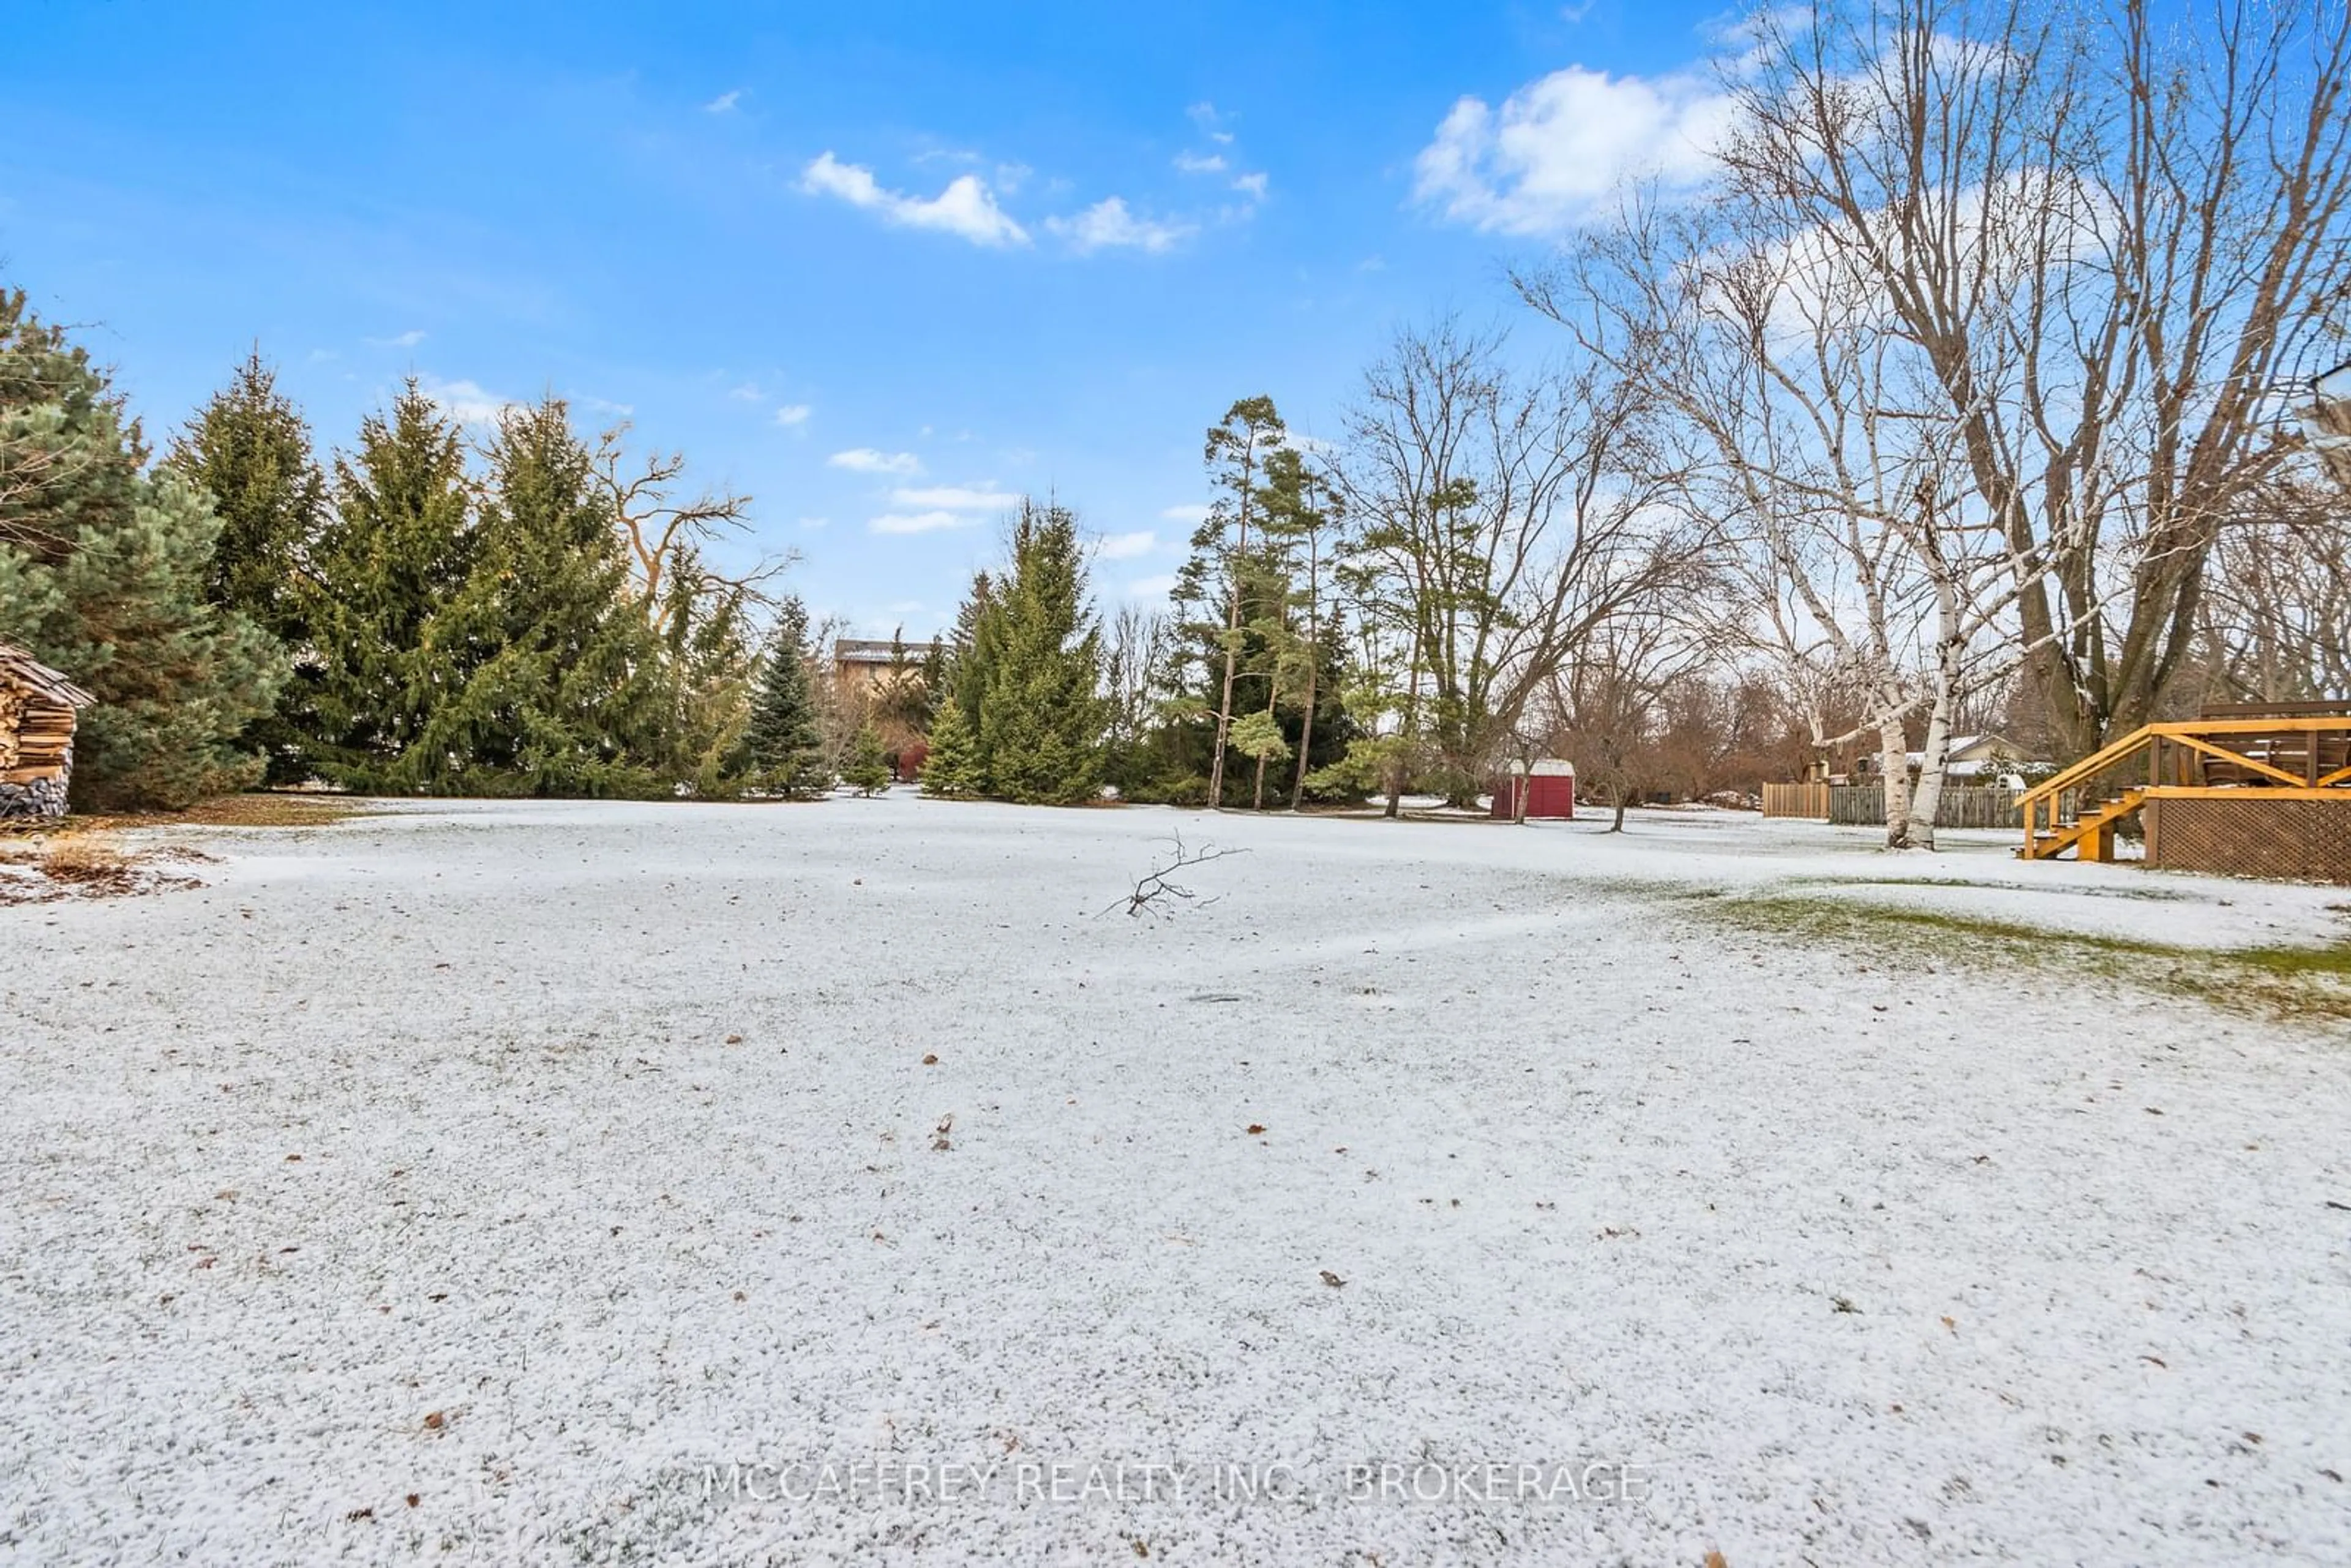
878 651
1975 750
32 675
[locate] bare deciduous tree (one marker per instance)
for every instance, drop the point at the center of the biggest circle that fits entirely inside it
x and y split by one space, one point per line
1500 520
667 538
1816 434
2112 238
1607 707
2277 616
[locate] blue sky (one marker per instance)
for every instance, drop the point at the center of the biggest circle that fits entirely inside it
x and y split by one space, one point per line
878 265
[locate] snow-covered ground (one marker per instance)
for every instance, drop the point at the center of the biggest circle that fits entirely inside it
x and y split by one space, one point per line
471 1184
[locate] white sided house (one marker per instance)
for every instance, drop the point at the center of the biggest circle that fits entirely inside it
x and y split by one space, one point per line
1977 759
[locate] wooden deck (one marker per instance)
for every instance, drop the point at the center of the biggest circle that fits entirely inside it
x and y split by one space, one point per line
2238 754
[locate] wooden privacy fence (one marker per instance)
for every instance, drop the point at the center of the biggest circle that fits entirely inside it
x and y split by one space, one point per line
1810 801
1970 806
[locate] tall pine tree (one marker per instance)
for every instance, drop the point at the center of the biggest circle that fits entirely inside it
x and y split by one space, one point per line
559 688
1040 712
394 551
249 449
786 746
703 624
102 573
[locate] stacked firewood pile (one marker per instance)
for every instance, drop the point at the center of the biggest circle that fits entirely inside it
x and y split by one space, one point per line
36 732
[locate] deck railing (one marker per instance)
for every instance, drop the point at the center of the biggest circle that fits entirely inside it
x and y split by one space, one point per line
2300 752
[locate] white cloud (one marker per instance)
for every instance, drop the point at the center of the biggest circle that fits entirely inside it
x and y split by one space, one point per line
1560 147
1196 515
1251 185
812 523
1126 547
747 392
1151 587
956 498
1200 164
866 460
724 102
1108 225
407 340
793 413
966 208
465 402
1210 123
918 522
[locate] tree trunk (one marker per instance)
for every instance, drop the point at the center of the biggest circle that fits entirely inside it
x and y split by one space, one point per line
1933 762
1232 636
1894 764
1305 734
1313 666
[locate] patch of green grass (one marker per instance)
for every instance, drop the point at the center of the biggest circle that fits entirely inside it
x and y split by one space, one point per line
2151 894
2294 982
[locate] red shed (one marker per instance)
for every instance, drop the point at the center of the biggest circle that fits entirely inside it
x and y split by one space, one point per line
1550 790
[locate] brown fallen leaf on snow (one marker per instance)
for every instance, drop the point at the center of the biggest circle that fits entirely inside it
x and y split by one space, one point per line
1332 1279
435 1421
930 1059
1256 1129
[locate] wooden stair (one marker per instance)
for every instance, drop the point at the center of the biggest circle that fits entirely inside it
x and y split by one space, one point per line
2234 754
2091 835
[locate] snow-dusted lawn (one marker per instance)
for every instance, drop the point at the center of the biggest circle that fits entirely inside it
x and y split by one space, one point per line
406 1193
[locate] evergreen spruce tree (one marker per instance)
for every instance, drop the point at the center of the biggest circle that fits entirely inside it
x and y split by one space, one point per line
392 555
952 769
102 574
970 650
710 671
785 744
933 677
869 767
249 450
560 688
1041 713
